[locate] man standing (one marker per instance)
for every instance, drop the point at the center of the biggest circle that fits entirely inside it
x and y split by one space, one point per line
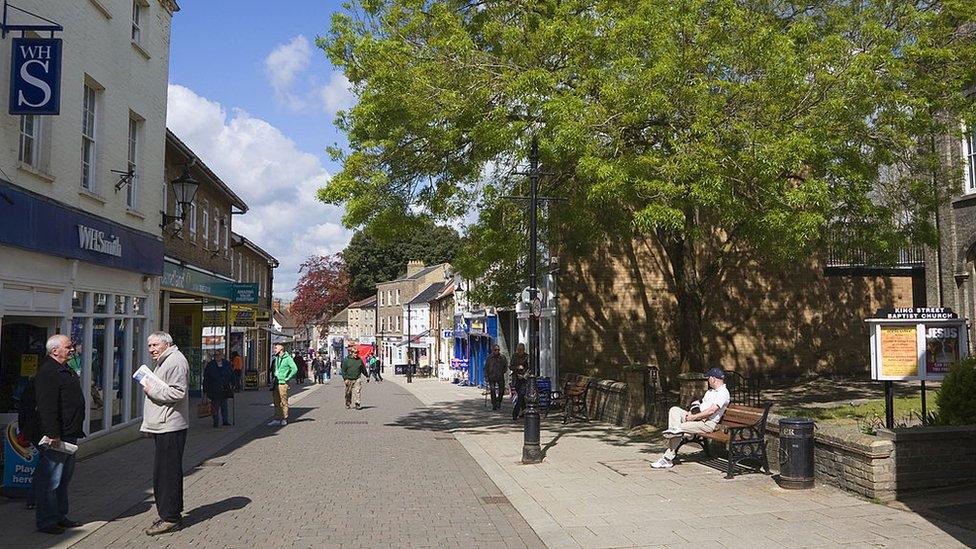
61 418
374 368
283 368
165 417
318 367
238 364
352 369
218 382
520 372
681 421
495 368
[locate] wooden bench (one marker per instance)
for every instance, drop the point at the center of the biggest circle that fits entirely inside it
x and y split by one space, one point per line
572 397
742 430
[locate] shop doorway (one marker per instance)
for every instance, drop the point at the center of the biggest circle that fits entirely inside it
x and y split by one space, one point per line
22 349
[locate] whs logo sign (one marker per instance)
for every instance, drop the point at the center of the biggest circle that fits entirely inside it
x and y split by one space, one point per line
35 76
95 241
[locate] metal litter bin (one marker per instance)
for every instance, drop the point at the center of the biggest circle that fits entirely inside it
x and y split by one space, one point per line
796 453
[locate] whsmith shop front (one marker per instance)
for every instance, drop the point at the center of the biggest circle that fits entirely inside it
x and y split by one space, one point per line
196 307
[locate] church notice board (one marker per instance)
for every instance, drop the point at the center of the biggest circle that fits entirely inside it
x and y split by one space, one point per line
916 343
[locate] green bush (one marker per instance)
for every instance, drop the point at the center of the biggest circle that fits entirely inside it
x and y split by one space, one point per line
957 397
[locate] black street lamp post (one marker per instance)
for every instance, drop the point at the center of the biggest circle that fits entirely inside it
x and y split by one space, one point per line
531 451
409 359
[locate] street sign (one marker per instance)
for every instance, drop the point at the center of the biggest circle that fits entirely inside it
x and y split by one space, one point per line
35 76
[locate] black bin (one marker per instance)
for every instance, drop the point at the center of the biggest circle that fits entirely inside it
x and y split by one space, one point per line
796 453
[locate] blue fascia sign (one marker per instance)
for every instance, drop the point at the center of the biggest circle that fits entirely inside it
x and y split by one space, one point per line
35 76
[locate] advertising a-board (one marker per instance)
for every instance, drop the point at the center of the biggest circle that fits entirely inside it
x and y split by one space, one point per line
19 460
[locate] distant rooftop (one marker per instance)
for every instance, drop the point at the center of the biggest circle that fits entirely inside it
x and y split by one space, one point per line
429 294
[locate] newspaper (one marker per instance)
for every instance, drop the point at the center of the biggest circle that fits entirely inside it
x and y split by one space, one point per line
144 376
61 446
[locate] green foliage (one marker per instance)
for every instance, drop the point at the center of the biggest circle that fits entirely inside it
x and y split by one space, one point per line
720 127
374 255
956 403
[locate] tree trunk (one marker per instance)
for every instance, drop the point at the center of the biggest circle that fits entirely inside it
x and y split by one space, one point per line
681 253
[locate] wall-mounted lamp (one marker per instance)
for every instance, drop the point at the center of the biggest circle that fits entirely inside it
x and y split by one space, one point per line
185 190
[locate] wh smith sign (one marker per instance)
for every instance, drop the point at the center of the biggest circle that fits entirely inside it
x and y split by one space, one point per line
35 76
96 241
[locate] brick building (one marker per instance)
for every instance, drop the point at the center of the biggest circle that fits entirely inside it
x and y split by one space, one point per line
251 324
198 285
391 297
615 309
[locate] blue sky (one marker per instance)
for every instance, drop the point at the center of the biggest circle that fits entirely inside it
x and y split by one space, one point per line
254 97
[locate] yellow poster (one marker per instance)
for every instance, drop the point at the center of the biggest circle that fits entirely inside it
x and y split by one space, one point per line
899 351
28 365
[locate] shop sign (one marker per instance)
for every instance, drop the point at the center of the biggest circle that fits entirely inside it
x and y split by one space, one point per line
250 380
19 459
28 365
916 344
244 292
214 318
39 224
96 241
262 315
447 334
478 325
181 277
242 317
35 76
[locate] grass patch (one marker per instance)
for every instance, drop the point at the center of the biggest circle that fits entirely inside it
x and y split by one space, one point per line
905 407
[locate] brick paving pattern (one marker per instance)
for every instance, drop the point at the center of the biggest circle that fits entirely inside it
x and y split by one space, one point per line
336 478
596 489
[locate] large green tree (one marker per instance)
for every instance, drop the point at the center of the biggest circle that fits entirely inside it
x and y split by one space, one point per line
375 256
707 129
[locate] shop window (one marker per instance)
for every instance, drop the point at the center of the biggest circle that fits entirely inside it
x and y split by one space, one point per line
101 303
139 306
98 367
138 358
79 302
121 305
120 364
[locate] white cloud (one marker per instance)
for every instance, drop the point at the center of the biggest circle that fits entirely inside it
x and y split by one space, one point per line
337 94
298 88
283 65
268 170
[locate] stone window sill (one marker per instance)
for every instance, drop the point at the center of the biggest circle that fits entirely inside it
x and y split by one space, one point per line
85 193
142 51
101 7
36 172
136 214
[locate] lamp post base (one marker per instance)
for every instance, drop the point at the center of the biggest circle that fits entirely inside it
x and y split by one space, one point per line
531 450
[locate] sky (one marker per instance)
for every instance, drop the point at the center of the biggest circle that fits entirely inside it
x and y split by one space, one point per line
254 98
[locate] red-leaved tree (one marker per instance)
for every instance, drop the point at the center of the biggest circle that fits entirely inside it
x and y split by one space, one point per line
322 290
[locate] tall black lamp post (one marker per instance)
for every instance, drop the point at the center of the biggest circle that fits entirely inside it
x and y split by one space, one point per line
409 359
531 451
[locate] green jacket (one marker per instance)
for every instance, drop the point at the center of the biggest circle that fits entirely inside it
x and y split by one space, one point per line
352 368
284 368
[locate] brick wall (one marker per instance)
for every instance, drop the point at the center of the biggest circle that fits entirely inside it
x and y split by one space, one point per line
616 309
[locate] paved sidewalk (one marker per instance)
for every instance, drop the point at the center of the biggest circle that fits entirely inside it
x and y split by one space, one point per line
108 485
596 488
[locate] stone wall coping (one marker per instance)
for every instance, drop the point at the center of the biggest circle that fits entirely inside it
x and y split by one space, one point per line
927 432
610 385
848 438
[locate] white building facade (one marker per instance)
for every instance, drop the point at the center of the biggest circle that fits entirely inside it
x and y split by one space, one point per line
80 246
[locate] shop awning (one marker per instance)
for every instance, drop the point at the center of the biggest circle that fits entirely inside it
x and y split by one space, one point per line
414 337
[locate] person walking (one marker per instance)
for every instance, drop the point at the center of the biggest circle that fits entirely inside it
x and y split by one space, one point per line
318 366
520 372
374 368
352 369
238 364
218 384
61 418
283 368
165 417
301 376
495 368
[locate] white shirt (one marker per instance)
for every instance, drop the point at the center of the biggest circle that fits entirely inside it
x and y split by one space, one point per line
716 397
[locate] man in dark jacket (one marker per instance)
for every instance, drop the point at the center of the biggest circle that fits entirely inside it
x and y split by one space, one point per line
520 372
495 368
218 383
61 418
352 369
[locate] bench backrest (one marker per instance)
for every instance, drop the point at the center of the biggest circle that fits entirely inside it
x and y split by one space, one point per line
737 415
575 384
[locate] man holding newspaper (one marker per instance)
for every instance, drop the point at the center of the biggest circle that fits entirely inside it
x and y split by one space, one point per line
165 418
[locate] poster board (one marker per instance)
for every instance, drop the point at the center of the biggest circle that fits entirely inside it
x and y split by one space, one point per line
916 343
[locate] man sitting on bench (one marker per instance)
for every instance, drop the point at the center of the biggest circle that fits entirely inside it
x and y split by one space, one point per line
681 421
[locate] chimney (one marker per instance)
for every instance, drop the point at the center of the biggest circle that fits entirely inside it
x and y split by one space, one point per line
414 267
276 304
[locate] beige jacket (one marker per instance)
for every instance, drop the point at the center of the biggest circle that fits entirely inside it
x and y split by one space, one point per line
167 406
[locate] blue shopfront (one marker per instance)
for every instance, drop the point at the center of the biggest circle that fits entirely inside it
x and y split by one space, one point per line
473 339
63 270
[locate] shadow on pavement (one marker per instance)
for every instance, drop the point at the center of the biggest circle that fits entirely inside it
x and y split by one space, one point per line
211 510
